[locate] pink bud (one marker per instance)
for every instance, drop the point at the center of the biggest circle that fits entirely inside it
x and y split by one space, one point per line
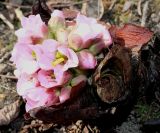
75 41
62 36
86 60
97 47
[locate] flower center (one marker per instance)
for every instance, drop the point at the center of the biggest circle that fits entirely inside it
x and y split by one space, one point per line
60 58
52 76
36 40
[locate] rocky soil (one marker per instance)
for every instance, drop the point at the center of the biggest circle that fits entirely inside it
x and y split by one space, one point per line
142 12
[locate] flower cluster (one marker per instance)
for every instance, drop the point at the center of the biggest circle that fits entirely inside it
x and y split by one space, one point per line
51 60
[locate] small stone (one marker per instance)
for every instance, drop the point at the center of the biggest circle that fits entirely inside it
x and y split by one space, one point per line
33 122
113 110
79 124
85 130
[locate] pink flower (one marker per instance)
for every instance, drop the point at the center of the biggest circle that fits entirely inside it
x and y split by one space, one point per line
36 95
24 59
33 30
71 59
45 53
53 78
86 60
40 96
43 70
29 88
50 54
26 83
86 30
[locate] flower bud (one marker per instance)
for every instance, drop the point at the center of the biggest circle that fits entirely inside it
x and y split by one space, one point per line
75 41
97 47
57 21
62 36
86 60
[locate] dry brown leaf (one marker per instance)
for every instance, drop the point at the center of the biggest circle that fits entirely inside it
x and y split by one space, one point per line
9 113
130 35
114 74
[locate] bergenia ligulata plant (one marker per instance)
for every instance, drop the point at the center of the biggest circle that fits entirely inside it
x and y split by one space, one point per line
53 59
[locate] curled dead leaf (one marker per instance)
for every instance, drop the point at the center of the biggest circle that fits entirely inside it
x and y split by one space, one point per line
130 35
114 74
9 113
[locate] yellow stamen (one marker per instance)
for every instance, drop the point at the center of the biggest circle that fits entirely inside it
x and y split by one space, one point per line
59 55
57 61
33 54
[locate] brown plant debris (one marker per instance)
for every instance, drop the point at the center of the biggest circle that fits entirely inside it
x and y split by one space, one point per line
9 113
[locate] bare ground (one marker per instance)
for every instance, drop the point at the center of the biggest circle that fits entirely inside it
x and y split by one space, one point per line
145 13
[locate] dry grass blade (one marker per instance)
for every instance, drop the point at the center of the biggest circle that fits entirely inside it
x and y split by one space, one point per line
7 76
145 13
19 13
112 5
139 7
63 3
7 22
15 5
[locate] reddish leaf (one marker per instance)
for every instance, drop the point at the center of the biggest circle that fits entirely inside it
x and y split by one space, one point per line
130 35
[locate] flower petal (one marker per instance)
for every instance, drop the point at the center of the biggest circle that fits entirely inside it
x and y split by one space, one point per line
26 83
39 96
33 30
71 55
